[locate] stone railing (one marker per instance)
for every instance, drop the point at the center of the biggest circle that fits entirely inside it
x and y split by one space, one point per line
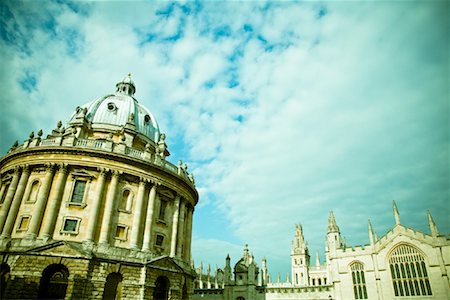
134 152
108 146
89 143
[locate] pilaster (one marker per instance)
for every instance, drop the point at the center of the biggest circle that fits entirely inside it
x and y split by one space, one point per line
136 229
96 205
109 209
181 230
146 245
173 242
54 203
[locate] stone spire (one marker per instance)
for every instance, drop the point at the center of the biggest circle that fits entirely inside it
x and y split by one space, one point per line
317 259
371 236
433 227
332 226
396 213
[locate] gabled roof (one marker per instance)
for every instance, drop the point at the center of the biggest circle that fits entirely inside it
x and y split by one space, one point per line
61 248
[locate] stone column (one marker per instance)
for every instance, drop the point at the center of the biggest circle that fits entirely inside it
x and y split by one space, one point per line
109 209
176 214
146 245
38 211
137 218
15 205
9 196
96 205
181 231
2 191
48 226
190 212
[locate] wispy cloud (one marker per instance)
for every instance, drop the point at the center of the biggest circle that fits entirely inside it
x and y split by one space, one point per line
282 110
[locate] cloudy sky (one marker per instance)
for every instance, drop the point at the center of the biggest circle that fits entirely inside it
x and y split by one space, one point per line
282 110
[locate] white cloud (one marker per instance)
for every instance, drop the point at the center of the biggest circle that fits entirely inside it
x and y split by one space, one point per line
343 112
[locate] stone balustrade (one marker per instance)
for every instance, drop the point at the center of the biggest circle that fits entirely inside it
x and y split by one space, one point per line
108 146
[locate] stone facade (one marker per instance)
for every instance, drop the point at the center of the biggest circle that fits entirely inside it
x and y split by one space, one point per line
95 211
402 264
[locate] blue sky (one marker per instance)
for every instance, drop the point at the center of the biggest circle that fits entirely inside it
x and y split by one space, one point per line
282 110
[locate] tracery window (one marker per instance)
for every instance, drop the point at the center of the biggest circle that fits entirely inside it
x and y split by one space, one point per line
409 273
359 280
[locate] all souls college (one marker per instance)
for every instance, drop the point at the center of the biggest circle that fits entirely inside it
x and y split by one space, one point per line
95 211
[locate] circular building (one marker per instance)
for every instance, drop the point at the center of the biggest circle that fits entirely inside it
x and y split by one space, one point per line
94 210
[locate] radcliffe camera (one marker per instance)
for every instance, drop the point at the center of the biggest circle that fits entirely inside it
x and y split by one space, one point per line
224 150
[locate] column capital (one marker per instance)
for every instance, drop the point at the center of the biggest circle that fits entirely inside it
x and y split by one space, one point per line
50 166
62 168
16 170
155 184
26 168
103 171
144 181
116 173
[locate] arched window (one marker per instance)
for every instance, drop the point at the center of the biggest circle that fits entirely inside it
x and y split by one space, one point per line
125 202
161 291
4 278
408 271
359 280
33 191
113 287
54 281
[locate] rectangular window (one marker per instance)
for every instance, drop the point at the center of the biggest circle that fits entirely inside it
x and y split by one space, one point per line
23 225
78 191
121 232
159 240
70 225
162 209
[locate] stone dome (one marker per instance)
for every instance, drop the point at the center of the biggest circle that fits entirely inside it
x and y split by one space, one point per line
112 112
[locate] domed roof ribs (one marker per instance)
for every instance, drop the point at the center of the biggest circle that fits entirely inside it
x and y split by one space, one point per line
112 114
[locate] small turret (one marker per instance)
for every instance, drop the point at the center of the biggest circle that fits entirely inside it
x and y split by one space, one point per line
332 226
396 213
371 236
264 272
433 227
333 234
227 271
299 258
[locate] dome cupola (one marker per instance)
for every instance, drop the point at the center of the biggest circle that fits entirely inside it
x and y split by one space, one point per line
117 112
126 86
